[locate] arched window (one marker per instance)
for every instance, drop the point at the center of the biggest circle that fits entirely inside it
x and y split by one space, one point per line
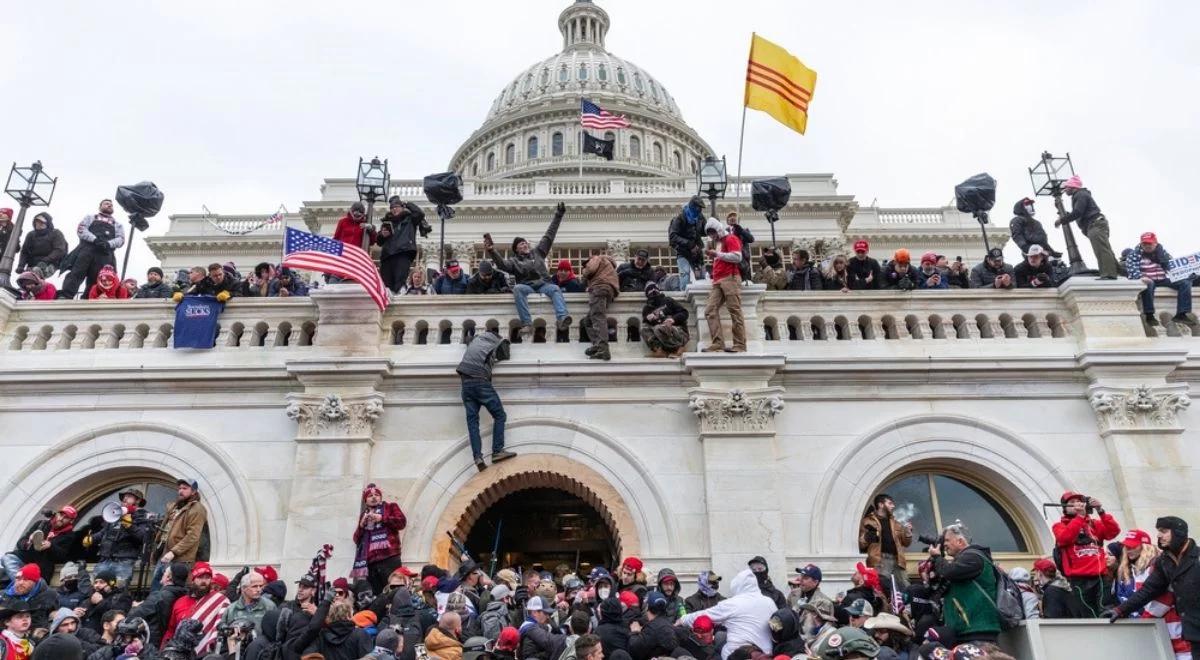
621 77
510 154
931 500
637 82
658 152
635 147
528 83
677 160
556 144
157 488
491 162
602 73
583 72
654 90
475 168
545 77
531 148
563 75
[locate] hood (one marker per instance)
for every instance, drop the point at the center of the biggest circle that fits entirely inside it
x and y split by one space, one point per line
49 223
402 603
987 552
744 583
610 610
784 625
270 624
714 225
668 573
496 606
338 632
565 264
61 615
1019 209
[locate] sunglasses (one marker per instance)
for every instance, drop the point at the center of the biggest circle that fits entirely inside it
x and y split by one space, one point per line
339 593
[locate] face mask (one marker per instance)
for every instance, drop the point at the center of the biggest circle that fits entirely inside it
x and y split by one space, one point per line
1030 211
603 592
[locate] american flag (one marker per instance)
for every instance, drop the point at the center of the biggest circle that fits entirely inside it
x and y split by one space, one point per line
275 219
593 116
328 255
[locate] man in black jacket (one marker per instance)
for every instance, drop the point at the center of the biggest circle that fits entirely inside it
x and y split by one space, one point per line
107 595
155 286
527 266
803 275
762 574
475 371
398 237
99 236
1086 213
44 247
666 321
657 638
120 542
487 280
686 235
156 609
864 271
1176 570
1035 272
635 275
1027 231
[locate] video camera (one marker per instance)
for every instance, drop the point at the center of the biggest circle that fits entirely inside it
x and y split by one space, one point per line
930 540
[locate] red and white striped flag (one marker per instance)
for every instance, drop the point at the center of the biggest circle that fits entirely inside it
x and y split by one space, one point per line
328 255
208 612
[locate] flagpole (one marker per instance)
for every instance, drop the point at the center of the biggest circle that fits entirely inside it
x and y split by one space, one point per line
581 137
741 141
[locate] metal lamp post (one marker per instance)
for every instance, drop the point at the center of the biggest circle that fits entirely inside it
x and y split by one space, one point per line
713 181
1048 177
372 183
29 186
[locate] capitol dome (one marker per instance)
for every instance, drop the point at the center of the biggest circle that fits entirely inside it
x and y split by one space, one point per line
533 129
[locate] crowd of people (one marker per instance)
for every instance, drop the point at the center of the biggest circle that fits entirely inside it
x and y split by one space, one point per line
954 606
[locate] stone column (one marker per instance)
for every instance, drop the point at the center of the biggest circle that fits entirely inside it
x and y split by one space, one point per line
735 409
464 252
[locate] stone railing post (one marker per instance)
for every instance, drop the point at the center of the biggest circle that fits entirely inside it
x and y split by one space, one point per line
347 320
7 304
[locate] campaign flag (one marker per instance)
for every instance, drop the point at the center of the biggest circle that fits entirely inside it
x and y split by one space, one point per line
328 255
594 145
196 322
779 84
1183 267
593 116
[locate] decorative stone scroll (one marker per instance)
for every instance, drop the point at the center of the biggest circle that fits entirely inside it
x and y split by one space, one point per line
736 412
464 252
618 249
1139 409
333 418
820 248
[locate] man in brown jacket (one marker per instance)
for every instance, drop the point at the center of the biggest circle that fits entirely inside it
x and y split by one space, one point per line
600 275
884 539
185 522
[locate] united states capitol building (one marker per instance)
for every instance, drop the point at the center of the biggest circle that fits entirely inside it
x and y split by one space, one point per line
962 404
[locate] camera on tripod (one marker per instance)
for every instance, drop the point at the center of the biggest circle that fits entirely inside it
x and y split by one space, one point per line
930 540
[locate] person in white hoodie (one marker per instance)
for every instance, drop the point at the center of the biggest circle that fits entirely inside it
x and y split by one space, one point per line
744 615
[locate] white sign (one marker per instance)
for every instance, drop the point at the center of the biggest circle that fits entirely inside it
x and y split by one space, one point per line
1183 267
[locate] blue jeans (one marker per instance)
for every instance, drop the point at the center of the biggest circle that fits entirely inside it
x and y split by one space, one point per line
156 581
1183 303
11 564
686 272
122 568
550 290
476 393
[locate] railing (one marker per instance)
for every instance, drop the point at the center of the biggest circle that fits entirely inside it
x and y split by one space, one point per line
230 225
931 216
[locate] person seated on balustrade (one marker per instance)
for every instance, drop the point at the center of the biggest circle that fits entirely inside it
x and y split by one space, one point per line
865 272
666 281
804 275
835 277
43 249
155 286
527 265
929 276
1148 262
488 280
286 285
635 275
666 324
417 285
108 286
31 286
564 278
770 270
1035 272
131 285
452 282
954 272
992 272
899 273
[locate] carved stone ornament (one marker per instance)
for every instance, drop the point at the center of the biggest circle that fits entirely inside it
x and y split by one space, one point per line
1139 408
464 252
334 418
820 249
736 412
618 249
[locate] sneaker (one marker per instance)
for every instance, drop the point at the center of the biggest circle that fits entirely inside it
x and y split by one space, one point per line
501 455
526 331
564 323
601 354
713 348
480 464
1186 319
591 350
1151 320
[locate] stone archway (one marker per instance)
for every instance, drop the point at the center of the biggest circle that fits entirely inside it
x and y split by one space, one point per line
529 471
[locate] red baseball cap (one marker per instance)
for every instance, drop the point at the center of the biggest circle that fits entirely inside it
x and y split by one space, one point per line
268 572
509 639
629 599
405 571
861 246
1044 565
429 584
1134 538
70 512
202 568
1149 237
632 563
702 624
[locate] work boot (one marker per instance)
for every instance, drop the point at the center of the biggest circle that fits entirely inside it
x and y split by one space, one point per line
1151 320
601 354
525 332
591 350
1186 319
479 463
713 348
564 323
501 455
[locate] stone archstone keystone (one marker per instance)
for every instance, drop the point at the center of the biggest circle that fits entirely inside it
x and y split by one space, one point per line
736 412
1139 409
333 418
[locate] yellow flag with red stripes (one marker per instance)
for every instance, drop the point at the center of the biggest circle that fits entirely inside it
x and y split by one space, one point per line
779 84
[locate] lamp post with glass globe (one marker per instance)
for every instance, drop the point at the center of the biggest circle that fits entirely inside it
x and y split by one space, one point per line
1048 177
372 183
713 181
29 186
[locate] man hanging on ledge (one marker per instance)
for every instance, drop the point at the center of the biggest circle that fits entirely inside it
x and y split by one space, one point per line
475 370
528 268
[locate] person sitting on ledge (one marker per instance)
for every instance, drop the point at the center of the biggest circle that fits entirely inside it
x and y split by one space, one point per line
665 332
1035 272
487 280
527 265
1148 262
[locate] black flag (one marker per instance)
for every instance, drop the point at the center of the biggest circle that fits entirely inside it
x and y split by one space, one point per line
602 148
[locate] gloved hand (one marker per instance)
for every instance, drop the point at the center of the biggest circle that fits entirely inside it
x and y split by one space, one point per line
871 535
223 296
1112 615
114 244
560 210
177 297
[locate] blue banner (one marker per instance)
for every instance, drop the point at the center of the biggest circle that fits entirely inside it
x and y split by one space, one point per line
196 322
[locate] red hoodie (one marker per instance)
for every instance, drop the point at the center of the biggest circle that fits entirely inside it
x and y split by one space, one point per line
113 290
1084 560
350 231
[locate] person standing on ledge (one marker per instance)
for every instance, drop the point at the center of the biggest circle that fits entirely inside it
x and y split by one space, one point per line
475 370
726 254
1092 223
377 539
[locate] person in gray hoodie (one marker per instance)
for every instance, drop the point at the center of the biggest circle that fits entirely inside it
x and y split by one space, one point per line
475 370
527 266
668 586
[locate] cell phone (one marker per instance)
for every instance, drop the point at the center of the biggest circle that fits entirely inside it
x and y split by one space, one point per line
487 238
958 259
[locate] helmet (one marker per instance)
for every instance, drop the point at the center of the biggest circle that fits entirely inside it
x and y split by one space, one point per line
573 583
845 641
134 627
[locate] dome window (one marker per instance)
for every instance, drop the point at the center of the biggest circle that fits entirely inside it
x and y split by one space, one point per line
556 144
621 77
531 148
658 152
510 154
637 82
475 169
491 162
635 147
602 73
528 83
583 72
677 161
654 90
545 77
563 75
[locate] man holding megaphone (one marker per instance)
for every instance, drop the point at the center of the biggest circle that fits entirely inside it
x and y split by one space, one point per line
120 533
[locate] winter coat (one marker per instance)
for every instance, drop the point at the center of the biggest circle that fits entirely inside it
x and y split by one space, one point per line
906 281
1025 274
42 601
601 270
183 535
529 268
664 308
776 279
163 289
484 351
102 233
1180 574
870 539
341 640
675 606
296 288
1056 599
537 642
115 292
118 541
698 601
72 594
984 276
208 287
115 599
6 230
959 280
48 246
744 615
350 231
404 231
445 285
862 592
494 619
968 606
806 279
745 236
613 630
859 269
239 609
1084 210
62 546
569 285
395 521
686 233
656 639
498 284
156 610
925 281
1025 230
1133 260
632 278
1084 559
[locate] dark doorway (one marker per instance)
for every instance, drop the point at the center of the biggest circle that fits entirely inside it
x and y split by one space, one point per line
543 526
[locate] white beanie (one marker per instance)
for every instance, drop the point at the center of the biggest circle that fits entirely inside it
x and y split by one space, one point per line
714 225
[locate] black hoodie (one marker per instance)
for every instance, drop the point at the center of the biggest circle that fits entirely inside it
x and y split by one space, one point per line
613 630
48 246
675 606
764 581
1025 229
785 632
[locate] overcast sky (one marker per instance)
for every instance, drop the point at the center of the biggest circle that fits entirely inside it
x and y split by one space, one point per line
244 105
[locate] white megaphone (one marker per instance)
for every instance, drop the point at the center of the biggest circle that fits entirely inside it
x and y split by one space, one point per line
112 512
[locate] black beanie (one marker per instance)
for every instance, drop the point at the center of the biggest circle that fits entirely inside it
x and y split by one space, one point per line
59 646
515 242
155 269
1178 526
179 573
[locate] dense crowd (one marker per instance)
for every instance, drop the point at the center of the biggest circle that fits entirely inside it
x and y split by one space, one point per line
956 605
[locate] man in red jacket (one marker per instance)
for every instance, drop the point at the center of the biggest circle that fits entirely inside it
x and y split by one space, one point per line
351 227
726 255
377 539
1080 538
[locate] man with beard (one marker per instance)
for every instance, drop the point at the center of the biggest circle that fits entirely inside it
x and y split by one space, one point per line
884 539
155 287
29 588
156 609
635 275
99 237
185 521
107 596
761 573
46 543
204 603
377 539
120 542
668 586
866 587
1174 570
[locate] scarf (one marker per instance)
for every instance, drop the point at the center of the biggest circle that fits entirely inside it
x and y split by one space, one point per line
706 587
691 214
374 538
23 647
67 526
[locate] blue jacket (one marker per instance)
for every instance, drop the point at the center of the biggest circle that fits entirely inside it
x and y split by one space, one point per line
923 280
445 285
1133 260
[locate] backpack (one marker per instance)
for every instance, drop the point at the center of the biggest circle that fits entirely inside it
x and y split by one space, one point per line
1010 606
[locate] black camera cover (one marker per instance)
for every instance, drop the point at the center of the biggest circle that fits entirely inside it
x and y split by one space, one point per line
444 188
140 200
976 194
770 194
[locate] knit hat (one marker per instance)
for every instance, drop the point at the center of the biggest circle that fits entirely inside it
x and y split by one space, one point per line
341 583
486 267
1175 524
70 571
371 489
395 200
632 563
508 640
656 602
31 572
155 269
861 246
1149 237
107 271
7 212
1074 182
221 581
652 288
702 625
108 575
268 572
1020 574
179 573
429 584
365 619
201 568
902 256
928 258
565 264
277 590
517 241
388 639
59 646
1134 538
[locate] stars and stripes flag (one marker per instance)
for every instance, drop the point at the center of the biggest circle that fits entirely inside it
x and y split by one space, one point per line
593 116
275 219
897 598
328 255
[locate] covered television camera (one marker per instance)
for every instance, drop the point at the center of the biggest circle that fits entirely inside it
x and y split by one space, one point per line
140 200
443 189
770 195
976 195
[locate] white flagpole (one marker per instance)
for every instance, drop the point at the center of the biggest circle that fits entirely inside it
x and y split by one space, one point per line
580 137
741 141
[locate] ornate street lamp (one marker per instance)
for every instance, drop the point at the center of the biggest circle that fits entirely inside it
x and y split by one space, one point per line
29 186
372 183
713 180
1048 177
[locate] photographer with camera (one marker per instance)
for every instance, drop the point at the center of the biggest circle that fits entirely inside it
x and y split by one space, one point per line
100 234
666 330
398 237
884 539
1079 551
233 638
1035 272
969 604
770 270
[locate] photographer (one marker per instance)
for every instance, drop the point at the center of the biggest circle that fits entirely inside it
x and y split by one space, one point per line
233 638
771 271
398 237
1079 539
686 235
969 604
884 539
992 272
1035 272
